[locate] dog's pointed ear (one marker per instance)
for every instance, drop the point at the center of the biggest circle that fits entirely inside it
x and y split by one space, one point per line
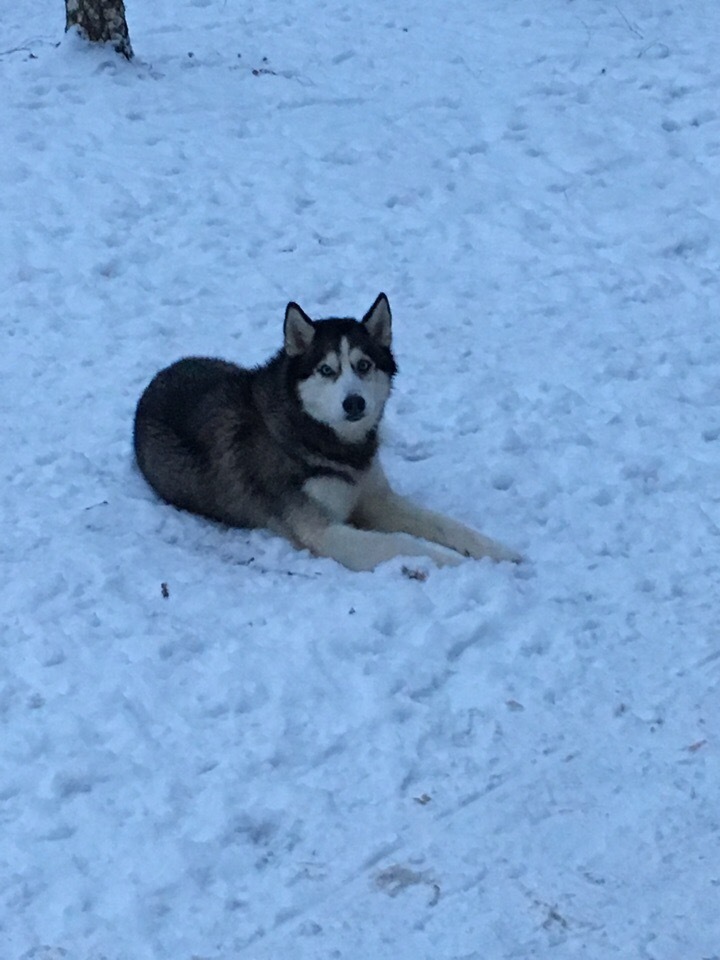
378 321
299 330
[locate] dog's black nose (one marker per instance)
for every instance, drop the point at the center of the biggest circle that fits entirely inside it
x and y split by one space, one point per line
354 406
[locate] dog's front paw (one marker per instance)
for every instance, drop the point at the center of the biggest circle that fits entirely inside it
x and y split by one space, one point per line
485 547
443 558
504 554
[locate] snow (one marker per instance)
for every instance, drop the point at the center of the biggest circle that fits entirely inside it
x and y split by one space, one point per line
280 757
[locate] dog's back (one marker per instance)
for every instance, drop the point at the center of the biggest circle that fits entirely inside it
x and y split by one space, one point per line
174 424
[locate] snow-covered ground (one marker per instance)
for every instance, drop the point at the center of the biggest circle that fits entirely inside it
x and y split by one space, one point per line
281 758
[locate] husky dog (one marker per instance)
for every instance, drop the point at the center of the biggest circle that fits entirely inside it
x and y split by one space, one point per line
291 446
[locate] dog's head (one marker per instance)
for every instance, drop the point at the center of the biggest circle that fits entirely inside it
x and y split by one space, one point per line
344 367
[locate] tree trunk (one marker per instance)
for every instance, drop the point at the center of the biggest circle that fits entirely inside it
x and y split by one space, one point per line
101 21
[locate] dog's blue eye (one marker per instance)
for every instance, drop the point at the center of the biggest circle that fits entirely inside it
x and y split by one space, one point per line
325 370
362 366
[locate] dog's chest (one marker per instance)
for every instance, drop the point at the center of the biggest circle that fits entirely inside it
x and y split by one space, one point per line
335 495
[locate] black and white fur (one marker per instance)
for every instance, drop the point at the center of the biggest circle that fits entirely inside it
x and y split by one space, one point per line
291 446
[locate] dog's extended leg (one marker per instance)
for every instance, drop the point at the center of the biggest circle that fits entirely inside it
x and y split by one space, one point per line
356 549
365 549
380 508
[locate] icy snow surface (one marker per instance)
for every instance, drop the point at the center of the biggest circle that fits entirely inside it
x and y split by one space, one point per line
281 758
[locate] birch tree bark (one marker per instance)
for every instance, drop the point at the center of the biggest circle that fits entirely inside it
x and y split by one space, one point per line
101 21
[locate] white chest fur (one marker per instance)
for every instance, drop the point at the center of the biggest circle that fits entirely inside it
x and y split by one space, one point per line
334 495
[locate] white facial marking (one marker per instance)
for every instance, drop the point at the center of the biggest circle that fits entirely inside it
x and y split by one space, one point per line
323 397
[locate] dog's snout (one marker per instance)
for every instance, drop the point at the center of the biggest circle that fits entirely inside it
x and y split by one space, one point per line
354 406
